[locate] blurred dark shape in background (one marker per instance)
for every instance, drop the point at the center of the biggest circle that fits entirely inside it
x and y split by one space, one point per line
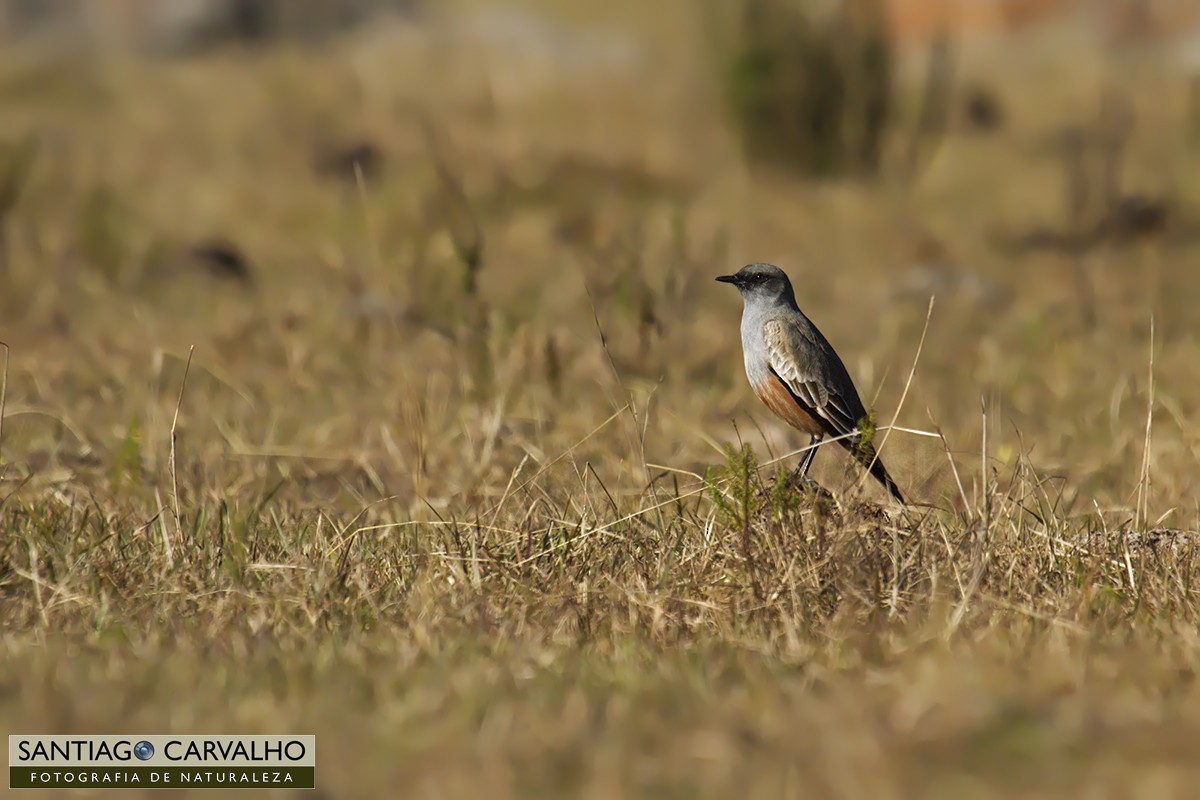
1135 216
982 111
350 161
808 89
222 258
186 25
261 20
16 164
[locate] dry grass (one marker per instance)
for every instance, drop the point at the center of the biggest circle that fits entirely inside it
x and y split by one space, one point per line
493 544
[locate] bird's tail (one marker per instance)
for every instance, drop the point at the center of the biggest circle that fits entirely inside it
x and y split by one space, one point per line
867 457
881 474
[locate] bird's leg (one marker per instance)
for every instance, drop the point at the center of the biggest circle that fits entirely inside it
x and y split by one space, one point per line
799 476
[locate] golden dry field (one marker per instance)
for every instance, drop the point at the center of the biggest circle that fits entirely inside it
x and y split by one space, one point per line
456 481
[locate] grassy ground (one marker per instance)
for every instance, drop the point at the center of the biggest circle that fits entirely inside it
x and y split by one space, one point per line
491 542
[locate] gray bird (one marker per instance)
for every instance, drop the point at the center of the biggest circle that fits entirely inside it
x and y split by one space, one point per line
795 372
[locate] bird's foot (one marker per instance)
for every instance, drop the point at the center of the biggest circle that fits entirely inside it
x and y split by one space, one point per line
813 489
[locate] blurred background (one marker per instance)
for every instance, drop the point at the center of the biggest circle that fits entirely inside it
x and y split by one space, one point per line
402 187
177 26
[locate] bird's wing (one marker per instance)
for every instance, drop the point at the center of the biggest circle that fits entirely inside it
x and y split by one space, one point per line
802 365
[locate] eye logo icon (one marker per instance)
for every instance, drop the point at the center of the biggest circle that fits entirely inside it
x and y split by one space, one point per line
143 750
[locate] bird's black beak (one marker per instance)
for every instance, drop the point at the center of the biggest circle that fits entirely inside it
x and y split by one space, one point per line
728 279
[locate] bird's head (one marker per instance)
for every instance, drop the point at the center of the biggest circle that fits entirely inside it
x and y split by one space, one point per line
765 282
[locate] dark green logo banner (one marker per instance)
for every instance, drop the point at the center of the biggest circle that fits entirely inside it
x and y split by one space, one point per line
161 777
